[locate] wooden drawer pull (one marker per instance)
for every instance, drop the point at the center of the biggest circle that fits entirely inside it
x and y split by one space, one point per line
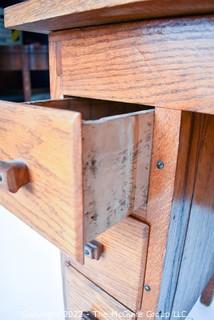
13 175
86 315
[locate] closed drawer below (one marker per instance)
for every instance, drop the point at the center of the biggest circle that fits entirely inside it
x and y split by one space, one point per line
79 166
81 295
120 269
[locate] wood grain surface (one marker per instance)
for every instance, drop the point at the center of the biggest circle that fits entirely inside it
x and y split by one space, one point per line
197 264
184 184
161 189
47 140
55 72
188 253
44 16
165 63
120 270
82 295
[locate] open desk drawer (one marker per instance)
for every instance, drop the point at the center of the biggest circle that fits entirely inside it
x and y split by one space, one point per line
74 167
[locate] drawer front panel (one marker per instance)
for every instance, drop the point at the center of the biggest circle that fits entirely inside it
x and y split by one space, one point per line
83 296
120 270
47 140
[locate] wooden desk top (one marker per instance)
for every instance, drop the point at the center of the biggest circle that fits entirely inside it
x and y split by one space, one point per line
45 16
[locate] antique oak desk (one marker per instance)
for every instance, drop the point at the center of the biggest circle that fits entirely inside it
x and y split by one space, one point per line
117 169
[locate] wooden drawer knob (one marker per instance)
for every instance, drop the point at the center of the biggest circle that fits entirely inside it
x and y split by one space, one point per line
13 175
86 315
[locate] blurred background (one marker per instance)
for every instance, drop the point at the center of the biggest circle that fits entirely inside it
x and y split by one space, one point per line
30 267
23 63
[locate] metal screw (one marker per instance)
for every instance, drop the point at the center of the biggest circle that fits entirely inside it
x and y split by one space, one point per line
68 263
86 252
160 164
147 287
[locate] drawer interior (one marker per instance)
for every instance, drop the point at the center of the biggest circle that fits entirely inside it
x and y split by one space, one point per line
93 109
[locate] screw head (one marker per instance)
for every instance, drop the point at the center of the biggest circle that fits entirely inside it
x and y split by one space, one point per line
147 287
86 252
160 164
68 263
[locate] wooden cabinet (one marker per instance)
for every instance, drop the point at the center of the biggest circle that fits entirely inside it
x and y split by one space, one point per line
88 166
134 170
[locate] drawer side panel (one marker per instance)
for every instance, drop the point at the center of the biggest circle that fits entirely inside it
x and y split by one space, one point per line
116 165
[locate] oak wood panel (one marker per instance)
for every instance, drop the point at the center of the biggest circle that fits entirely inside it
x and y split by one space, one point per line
55 72
189 254
184 184
189 251
44 16
82 295
120 270
161 189
47 140
197 265
165 63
